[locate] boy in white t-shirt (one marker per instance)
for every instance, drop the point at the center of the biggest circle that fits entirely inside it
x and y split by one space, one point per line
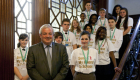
116 36
88 11
102 21
69 40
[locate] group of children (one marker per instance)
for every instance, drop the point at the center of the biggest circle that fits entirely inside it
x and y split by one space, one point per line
95 44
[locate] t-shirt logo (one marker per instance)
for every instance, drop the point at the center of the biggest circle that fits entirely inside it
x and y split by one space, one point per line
114 36
90 57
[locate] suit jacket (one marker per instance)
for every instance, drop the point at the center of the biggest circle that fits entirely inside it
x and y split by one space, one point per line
37 64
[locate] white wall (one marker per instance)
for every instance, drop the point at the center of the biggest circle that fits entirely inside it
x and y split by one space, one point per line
133 6
111 4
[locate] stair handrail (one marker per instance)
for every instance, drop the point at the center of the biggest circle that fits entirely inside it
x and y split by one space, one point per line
124 57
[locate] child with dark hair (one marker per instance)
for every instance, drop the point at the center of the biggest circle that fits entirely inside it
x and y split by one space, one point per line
82 21
89 28
20 58
58 39
116 11
84 60
116 36
105 52
92 21
125 23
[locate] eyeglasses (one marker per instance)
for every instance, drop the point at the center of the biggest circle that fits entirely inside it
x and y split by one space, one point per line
66 24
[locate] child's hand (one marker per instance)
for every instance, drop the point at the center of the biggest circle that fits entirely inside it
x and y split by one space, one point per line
118 70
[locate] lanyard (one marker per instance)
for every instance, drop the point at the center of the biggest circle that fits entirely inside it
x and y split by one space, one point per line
65 36
101 22
82 25
75 32
112 34
121 23
88 14
86 59
22 55
99 46
89 40
93 29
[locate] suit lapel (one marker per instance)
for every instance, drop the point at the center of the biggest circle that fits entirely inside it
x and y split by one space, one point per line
54 54
43 55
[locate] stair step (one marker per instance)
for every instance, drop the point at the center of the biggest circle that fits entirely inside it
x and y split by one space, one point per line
135 70
133 77
136 67
138 60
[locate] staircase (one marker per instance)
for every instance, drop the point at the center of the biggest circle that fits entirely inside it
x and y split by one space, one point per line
130 62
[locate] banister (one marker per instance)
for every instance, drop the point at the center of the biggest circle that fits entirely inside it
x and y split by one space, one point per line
124 57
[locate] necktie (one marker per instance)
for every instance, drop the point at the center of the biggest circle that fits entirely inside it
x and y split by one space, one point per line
49 58
23 49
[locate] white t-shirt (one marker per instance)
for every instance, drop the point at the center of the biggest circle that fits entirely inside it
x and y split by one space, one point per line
117 39
95 28
89 13
69 53
130 23
82 24
77 35
77 59
18 62
71 40
103 23
105 48
91 42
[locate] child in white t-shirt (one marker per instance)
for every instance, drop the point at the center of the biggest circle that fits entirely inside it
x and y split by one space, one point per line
84 60
92 21
89 28
20 58
58 39
105 51
75 28
116 11
69 40
102 21
82 21
125 23
116 36
88 11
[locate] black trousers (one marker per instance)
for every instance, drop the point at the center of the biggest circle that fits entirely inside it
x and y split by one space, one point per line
69 75
126 39
104 72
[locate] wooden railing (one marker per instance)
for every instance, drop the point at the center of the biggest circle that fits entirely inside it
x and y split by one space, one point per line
126 53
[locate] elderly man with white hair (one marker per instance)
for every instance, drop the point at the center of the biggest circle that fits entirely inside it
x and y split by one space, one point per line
47 60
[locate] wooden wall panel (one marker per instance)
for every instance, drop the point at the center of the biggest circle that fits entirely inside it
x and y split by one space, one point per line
102 4
6 39
40 17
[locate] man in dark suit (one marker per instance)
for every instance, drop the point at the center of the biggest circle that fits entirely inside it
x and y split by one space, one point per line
47 60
